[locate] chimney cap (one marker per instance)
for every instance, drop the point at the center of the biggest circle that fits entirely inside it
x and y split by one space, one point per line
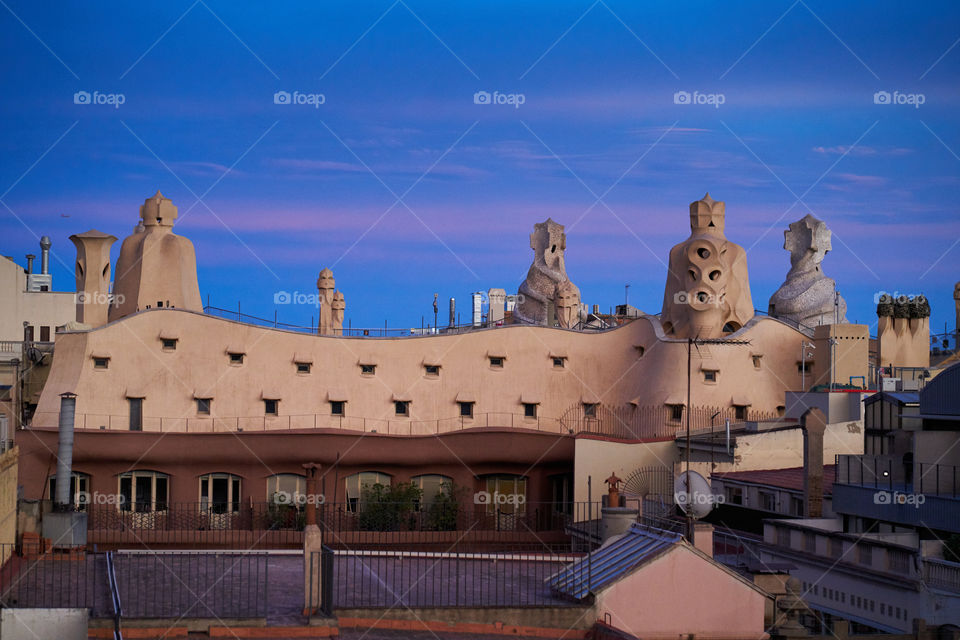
45 242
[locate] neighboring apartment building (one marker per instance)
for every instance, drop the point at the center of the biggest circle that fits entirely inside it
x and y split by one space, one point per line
30 312
888 556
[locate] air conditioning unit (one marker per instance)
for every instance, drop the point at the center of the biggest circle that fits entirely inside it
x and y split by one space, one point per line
892 384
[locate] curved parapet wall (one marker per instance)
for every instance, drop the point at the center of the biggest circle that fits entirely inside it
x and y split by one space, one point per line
171 358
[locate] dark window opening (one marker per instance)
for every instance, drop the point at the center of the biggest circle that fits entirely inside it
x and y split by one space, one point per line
589 410
270 407
402 407
558 363
303 367
203 406
496 362
466 409
529 410
136 414
432 369
337 407
101 363
368 369
44 334
740 412
169 344
236 358
676 412
709 376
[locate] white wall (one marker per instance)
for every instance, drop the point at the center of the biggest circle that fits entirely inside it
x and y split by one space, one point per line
30 624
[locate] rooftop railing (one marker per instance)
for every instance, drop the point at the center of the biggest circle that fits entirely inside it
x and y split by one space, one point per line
892 474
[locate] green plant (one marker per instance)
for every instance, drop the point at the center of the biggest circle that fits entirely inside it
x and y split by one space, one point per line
443 512
388 508
285 516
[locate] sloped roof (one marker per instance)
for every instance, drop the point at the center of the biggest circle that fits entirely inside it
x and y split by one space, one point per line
900 397
604 566
790 479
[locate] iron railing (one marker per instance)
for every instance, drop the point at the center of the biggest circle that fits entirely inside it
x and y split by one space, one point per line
345 525
43 579
892 474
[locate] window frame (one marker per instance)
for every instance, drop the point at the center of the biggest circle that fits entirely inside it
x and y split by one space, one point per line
468 405
234 485
135 424
368 369
530 410
338 404
267 404
132 504
236 358
401 408
303 368
431 370
79 482
204 410
496 362
101 363
168 344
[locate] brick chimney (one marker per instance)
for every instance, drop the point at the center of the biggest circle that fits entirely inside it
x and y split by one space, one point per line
814 423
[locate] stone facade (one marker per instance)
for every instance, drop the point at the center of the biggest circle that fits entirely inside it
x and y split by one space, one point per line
547 297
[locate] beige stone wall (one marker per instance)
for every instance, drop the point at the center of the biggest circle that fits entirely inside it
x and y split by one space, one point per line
597 458
850 356
8 502
631 363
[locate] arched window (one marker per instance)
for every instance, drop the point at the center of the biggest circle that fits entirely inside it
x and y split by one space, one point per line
432 485
354 485
286 488
220 493
143 491
79 490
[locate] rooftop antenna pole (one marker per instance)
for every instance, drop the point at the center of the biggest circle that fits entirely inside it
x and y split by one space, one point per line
435 296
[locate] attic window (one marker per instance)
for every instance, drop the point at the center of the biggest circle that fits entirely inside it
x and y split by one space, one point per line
432 369
203 406
169 344
401 407
559 363
236 358
589 410
529 410
496 361
101 362
303 367
676 412
270 407
740 411
368 369
709 375
756 361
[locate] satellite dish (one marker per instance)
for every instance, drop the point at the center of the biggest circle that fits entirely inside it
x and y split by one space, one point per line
693 495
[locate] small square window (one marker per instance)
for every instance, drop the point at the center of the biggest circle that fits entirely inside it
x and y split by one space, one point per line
709 376
169 344
236 358
203 406
558 363
804 367
101 363
740 412
676 412
466 409
337 407
303 367
589 410
368 369
496 362
529 410
756 361
432 369
402 407
270 407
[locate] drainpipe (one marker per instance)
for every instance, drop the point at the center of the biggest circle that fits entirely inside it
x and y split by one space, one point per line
68 405
30 258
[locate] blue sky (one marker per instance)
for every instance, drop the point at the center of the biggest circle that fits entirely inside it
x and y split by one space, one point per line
287 189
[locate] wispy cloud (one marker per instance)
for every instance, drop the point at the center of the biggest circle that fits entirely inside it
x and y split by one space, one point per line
862 150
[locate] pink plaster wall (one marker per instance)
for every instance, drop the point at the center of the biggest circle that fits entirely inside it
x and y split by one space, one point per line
682 593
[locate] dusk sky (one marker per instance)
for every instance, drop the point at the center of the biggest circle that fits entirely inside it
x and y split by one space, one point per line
405 186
